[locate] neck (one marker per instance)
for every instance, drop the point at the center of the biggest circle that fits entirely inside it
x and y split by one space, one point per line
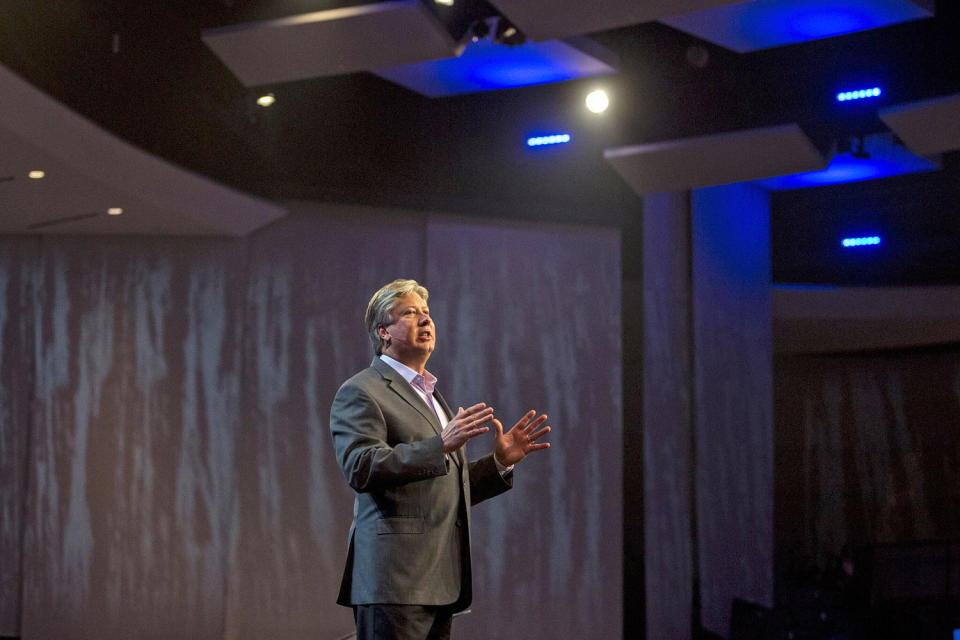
416 362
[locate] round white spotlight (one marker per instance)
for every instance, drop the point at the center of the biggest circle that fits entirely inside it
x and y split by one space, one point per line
597 101
114 211
446 3
36 175
266 100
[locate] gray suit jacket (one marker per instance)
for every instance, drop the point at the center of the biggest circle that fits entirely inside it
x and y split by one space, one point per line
410 537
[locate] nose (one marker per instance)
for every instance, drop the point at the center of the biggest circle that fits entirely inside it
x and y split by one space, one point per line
424 319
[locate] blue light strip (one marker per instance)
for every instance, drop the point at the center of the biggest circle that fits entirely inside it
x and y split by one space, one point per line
860 94
861 242
539 141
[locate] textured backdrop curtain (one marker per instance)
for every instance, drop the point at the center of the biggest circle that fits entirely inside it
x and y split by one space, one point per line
868 450
165 457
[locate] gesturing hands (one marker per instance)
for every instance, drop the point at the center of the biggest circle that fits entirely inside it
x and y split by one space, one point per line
510 447
465 425
513 446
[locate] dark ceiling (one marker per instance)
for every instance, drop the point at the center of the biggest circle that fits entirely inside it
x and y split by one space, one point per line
140 70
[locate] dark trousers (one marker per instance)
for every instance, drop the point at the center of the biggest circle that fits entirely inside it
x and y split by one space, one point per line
402 622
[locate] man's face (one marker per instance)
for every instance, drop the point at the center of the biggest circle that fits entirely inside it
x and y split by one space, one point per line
411 335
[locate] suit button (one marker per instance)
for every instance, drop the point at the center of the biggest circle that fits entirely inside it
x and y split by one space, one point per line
458 523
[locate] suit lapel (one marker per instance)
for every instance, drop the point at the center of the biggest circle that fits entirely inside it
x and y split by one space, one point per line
403 389
443 405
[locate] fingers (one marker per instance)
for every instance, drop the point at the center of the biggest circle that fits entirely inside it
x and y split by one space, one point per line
477 420
477 414
471 422
536 423
533 437
522 422
526 425
531 431
480 406
463 428
472 431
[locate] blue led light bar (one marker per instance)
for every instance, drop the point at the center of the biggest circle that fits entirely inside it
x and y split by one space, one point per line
863 241
557 138
860 94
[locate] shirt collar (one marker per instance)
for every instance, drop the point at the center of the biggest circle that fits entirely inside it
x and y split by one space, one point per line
429 380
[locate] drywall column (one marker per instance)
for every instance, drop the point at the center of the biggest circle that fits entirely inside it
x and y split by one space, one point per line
667 418
707 407
733 399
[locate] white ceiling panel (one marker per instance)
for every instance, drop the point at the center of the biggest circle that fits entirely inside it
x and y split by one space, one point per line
726 158
88 171
486 66
547 19
761 24
927 127
332 42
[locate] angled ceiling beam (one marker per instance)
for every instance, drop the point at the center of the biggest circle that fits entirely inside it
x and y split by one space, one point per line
926 127
761 24
726 158
548 19
332 42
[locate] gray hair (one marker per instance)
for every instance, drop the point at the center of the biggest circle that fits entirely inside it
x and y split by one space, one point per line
380 305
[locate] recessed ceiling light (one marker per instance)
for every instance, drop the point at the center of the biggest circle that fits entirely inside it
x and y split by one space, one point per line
266 100
597 101
114 211
36 175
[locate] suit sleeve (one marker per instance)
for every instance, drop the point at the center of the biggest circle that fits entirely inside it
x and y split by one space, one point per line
361 442
486 481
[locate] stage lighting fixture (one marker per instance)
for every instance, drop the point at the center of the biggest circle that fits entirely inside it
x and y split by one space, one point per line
863 241
446 3
557 138
266 100
859 94
479 30
597 101
859 150
36 174
114 211
508 34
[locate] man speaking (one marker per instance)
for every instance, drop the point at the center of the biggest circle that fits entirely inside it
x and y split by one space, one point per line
400 447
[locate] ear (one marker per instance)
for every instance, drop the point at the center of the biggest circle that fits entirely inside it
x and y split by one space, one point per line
383 333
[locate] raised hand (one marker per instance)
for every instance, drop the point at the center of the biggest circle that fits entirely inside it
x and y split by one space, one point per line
465 425
513 446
